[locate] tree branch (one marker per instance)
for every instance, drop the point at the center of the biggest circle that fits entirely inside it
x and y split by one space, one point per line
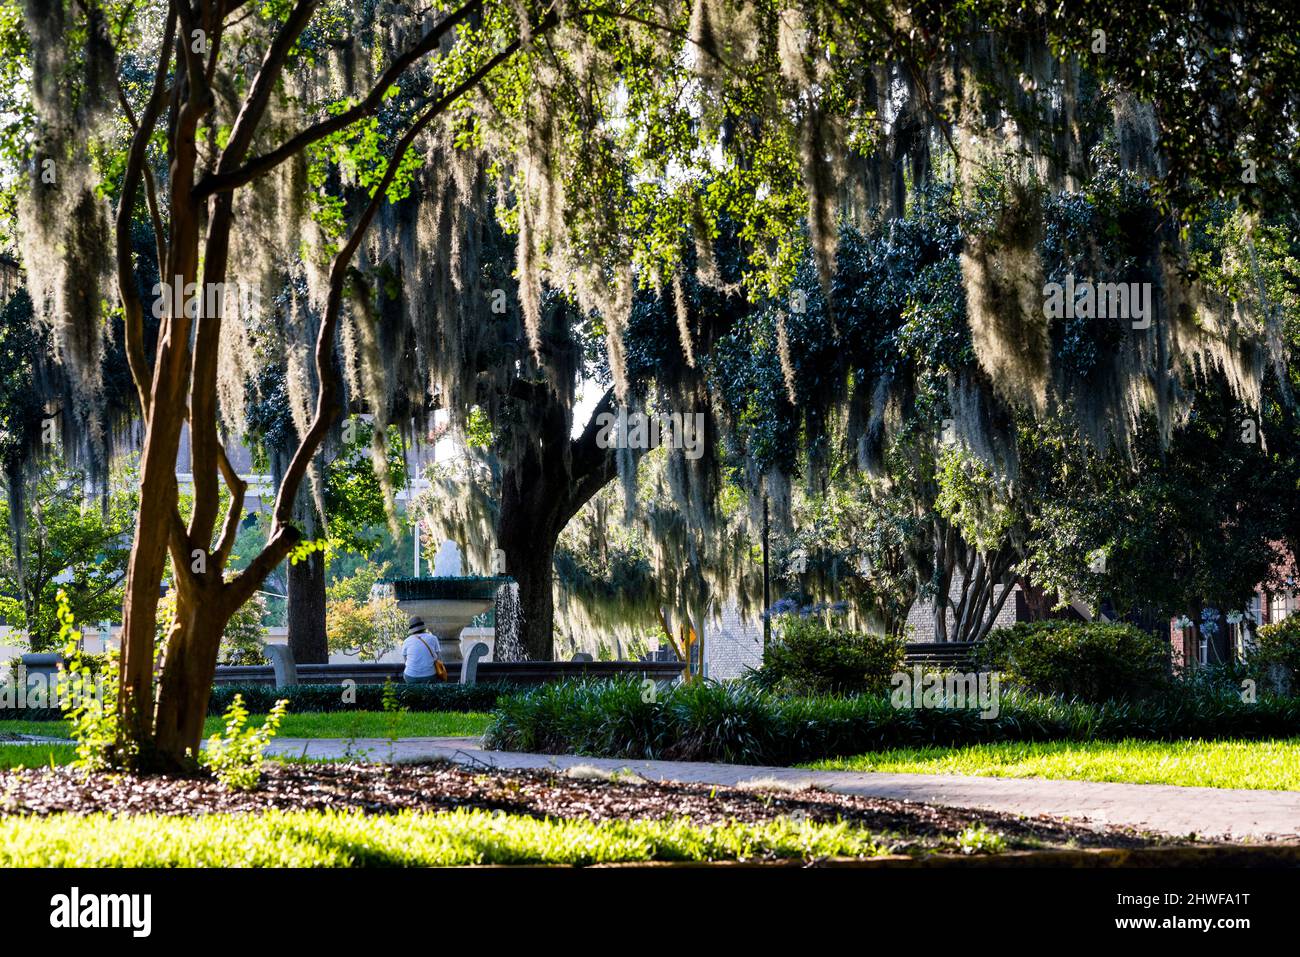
283 534
593 467
225 180
235 513
132 308
259 95
326 404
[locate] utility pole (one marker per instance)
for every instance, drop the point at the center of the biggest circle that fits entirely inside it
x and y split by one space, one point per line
767 594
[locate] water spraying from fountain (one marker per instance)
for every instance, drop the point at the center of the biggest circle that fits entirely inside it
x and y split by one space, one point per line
508 620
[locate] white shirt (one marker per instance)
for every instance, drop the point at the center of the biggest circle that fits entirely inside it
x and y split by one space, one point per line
416 654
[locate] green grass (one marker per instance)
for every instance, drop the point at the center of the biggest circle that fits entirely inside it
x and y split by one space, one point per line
1273 765
46 729
374 724
35 755
334 724
407 839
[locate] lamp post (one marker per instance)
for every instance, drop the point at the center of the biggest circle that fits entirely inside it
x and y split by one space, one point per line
767 596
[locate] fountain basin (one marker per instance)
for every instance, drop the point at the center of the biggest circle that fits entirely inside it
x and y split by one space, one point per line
448 605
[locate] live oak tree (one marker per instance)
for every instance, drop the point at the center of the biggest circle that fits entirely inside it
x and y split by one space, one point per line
972 494
544 471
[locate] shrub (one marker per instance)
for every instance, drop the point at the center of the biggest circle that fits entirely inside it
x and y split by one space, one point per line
1091 661
1274 658
816 655
368 629
236 756
88 698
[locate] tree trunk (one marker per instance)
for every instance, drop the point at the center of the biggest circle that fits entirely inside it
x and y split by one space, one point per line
144 574
1038 602
186 683
528 526
539 494
528 553
306 587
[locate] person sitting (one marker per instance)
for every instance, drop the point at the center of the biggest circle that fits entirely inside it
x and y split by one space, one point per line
421 653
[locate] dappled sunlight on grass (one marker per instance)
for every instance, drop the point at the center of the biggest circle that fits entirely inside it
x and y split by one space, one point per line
298 839
1272 765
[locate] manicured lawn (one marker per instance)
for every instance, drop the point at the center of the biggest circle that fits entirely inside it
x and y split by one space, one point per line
327 839
35 755
336 724
1273 765
375 724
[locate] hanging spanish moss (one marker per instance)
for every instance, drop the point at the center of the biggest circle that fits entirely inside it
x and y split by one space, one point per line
683 321
63 223
1003 279
613 577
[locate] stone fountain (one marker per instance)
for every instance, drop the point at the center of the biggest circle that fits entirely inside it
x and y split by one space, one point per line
448 604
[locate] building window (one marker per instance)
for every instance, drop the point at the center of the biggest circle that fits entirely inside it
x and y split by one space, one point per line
1281 606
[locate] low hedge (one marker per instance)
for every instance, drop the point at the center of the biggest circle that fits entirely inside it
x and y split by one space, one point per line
737 723
450 696
329 697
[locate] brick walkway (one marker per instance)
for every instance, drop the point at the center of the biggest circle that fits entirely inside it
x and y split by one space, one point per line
1211 812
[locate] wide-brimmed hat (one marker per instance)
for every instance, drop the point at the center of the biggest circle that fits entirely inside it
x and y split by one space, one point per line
416 626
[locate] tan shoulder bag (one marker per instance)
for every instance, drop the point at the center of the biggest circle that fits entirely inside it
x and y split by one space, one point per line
438 667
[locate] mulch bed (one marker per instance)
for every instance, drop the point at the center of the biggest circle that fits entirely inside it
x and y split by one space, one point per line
376 789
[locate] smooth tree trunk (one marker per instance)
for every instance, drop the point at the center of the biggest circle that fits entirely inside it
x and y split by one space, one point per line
179 381
186 683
